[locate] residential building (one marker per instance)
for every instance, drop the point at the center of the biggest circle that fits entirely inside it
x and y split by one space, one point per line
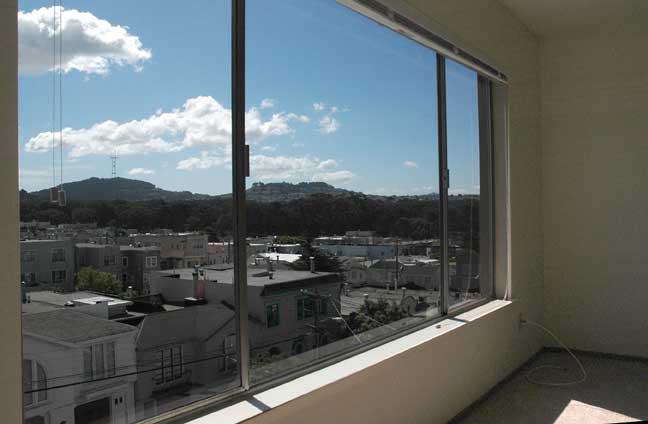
48 263
219 253
73 364
101 257
286 303
177 250
137 266
185 350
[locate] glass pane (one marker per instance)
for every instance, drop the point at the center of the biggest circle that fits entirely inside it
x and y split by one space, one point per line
125 177
110 359
98 360
343 228
28 397
465 196
41 383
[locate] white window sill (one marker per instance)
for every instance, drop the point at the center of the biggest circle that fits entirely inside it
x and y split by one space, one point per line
293 389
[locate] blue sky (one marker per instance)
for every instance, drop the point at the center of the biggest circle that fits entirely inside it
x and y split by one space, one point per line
331 96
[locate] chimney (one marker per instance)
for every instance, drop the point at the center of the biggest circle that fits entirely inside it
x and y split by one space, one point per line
403 289
194 291
312 264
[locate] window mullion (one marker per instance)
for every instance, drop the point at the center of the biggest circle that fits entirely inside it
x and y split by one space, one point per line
239 151
444 175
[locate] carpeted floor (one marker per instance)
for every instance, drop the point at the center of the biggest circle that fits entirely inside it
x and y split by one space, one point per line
616 391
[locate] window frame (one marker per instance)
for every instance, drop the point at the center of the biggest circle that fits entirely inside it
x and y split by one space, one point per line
486 79
273 306
239 174
35 388
150 261
53 256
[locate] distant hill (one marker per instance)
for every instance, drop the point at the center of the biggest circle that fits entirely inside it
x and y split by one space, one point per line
283 192
131 190
117 188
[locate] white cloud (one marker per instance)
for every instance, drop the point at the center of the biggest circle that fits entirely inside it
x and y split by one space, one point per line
200 122
457 191
319 106
301 118
410 164
268 148
33 173
141 171
336 177
267 103
90 44
274 168
328 125
334 109
298 145
327 164
205 161
282 167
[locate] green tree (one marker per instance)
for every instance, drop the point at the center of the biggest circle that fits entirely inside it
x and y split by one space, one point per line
374 314
103 282
324 261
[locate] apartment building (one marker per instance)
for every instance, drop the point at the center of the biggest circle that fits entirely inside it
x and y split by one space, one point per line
101 257
177 250
47 263
137 266
286 304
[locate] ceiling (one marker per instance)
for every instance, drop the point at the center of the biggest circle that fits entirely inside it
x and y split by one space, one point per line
553 18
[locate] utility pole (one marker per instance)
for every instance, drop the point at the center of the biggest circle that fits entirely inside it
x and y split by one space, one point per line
397 267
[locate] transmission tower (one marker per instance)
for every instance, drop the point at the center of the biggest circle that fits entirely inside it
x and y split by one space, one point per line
113 158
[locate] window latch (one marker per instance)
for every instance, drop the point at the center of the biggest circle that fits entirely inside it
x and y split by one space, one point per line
247 160
446 179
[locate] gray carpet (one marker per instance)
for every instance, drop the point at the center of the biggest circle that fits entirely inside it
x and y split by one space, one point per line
616 391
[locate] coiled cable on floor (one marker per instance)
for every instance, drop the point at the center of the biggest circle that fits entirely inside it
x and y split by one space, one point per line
549 383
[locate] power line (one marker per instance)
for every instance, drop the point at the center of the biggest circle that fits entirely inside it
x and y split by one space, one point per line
61 386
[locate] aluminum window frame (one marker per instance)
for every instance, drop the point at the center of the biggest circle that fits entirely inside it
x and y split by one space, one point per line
492 101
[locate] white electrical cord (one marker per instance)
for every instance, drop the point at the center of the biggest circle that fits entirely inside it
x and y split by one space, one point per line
548 383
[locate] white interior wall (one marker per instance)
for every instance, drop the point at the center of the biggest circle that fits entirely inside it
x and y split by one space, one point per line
595 171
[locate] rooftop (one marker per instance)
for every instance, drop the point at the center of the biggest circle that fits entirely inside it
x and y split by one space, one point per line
282 257
72 327
59 299
45 241
94 245
256 277
138 248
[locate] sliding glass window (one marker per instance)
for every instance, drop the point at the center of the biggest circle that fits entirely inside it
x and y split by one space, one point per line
125 166
217 196
343 204
469 203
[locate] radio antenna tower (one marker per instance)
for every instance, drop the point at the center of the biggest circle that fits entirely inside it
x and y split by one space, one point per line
113 158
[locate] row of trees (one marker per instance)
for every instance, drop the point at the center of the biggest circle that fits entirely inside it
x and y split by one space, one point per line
312 216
